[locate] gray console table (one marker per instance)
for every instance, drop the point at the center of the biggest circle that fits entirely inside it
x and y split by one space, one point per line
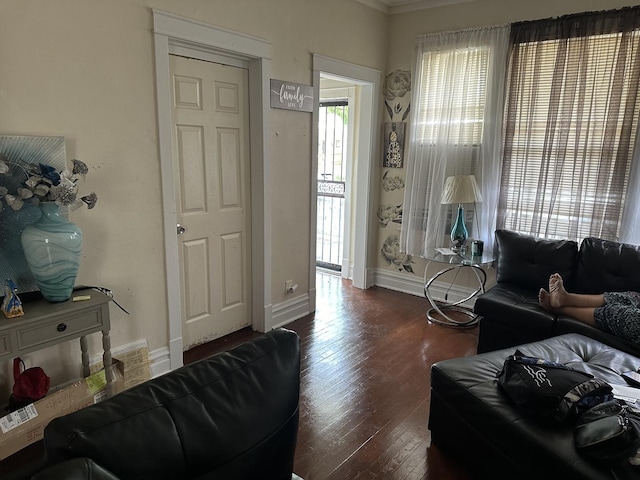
45 324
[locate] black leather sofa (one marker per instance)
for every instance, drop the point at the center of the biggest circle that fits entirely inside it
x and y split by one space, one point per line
510 312
231 416
472 420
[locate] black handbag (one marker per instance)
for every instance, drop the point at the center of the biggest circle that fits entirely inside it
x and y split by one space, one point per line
609 434
549 390
607 431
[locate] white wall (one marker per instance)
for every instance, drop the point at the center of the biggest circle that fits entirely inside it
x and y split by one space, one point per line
84 69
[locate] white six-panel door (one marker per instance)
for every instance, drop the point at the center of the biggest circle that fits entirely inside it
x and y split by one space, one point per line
210 120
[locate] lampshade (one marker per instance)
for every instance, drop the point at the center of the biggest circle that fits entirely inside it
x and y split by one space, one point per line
461 189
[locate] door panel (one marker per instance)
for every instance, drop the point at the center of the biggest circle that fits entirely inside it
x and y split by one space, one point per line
211 159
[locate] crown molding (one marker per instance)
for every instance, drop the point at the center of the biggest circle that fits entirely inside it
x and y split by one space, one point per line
393 7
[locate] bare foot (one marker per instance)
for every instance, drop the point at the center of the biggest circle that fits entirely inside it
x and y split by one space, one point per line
557 293
544 300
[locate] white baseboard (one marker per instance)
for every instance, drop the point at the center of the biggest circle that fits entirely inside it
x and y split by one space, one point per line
115 351
159 362
283 313
287 312
414 285
400 282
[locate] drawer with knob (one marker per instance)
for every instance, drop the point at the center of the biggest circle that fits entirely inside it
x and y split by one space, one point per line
50 333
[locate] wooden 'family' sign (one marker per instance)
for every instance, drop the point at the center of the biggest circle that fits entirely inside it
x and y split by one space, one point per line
291 96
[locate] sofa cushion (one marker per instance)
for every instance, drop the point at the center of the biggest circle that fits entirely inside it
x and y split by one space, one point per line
608 266
528 262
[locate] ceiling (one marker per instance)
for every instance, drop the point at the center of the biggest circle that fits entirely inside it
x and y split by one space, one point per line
403 6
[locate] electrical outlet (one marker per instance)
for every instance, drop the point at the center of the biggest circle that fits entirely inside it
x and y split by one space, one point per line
287 286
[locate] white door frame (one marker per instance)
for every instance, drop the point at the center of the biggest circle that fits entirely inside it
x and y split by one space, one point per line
175 34
367 137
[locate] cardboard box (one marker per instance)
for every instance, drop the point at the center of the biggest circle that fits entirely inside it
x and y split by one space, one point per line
26 425
136 367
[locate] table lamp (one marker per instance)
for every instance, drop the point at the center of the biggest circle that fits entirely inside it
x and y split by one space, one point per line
460 189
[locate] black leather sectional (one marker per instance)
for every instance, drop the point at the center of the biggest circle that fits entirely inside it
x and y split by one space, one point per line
472 419
510 312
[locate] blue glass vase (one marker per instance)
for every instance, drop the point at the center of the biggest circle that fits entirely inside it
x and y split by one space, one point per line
52 247
459 232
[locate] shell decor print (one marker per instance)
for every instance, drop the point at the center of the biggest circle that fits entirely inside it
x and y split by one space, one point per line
396 101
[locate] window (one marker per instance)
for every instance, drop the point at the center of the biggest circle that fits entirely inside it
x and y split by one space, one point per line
570 125
459 79
453 96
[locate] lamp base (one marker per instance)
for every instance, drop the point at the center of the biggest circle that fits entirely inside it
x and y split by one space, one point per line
459 234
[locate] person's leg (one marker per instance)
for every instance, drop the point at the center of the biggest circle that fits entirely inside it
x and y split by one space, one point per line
560 298
582 314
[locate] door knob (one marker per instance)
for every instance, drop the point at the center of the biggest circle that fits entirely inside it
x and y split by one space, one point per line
180 229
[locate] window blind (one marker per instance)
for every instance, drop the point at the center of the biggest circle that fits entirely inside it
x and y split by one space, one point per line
570 127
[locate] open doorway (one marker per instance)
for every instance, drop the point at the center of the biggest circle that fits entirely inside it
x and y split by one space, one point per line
357 241
334 176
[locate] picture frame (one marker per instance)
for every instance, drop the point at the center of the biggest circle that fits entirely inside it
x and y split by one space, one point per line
22 152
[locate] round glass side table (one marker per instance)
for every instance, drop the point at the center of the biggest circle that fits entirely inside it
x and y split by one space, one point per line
455 262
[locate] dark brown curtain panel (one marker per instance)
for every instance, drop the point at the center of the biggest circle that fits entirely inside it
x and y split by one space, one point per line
571 115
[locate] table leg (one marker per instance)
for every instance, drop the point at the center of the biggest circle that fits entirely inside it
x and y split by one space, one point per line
85 356
106 361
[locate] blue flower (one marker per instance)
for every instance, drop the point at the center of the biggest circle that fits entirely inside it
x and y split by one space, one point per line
50 173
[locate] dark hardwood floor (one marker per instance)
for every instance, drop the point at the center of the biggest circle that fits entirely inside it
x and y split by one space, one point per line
364 403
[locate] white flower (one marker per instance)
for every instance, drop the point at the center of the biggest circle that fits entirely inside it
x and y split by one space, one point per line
24 193
13 202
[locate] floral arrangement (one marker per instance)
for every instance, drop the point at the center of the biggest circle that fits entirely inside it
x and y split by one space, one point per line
44 184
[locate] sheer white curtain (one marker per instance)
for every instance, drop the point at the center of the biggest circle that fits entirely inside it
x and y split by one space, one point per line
456 128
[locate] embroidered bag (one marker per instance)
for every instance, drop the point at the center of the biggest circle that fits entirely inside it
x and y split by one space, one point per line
545 389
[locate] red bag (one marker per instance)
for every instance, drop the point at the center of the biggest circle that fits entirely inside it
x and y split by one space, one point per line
29 385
